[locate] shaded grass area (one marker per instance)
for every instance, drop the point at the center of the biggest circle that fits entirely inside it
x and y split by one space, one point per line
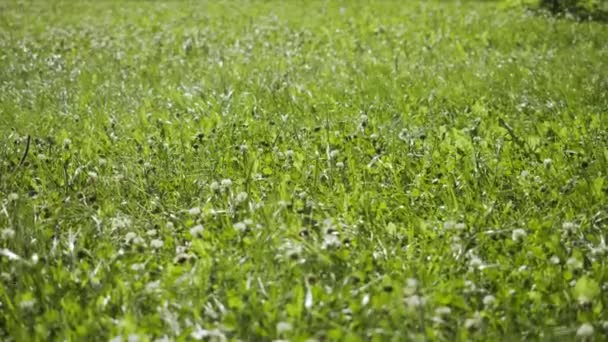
328 170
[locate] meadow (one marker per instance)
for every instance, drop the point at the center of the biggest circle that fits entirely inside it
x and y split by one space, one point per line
302 171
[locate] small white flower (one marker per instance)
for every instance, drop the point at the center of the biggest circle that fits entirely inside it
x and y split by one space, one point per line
475 262
13 197
151 232
489 300
412 283
214 186
524 174
474 322
283 327
7 234
585 330
570 226
518 234
35 258
120 222
130 236
289 153
330 241
157 244
340 165
226 183
555 260
443 311
547 162
194 211
138 267
92 175
240 226
574 263
133 338
27 304
241 197
415 301
334 154
197 230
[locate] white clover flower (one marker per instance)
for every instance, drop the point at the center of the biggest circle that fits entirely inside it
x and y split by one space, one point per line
518 234
415 301
138 267
574 263
133 338
27 304
412 283
570 226
35 258
240 226
13 197
7 234
241 197
340 165
197 231
443 311
139 241
194 211
555 260
449 224
225 183
290 249
157 244
475 262
120 222
334 154
130 236
151 232
474 322
92 175
489 300
585 330
283 327
330 241
289 153
524 174
214 186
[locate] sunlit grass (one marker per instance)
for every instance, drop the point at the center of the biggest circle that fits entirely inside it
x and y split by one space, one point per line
285 170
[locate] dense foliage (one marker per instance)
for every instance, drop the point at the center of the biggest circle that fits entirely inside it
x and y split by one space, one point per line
301 170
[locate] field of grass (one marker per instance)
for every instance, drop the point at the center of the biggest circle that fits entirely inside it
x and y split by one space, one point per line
328 170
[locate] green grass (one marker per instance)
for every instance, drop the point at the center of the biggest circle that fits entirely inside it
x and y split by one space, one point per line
301 170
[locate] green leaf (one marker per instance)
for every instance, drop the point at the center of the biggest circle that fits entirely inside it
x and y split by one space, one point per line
586 289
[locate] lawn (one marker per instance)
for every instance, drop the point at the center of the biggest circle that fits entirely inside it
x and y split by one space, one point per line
301 170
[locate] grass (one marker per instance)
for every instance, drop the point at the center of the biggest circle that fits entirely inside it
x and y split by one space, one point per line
301 170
